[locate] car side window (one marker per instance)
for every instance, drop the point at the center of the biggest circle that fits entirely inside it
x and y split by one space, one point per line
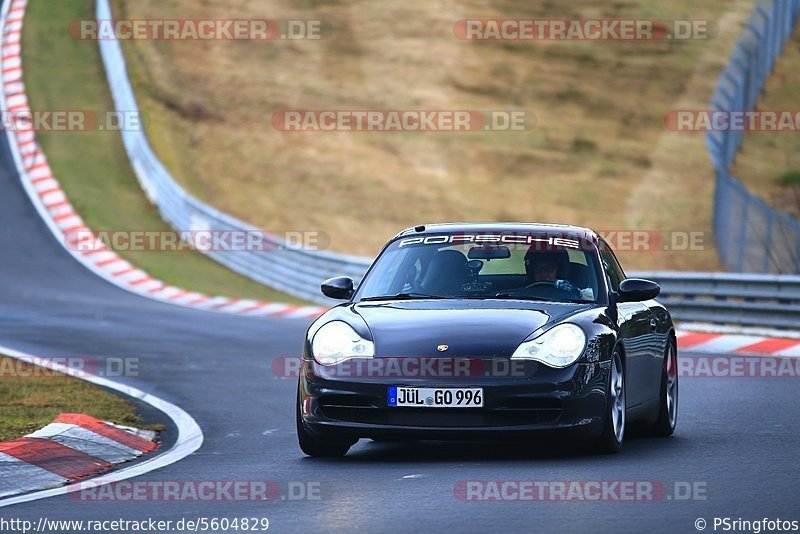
611 266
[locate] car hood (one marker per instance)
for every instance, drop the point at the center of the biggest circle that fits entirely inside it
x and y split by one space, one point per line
469 328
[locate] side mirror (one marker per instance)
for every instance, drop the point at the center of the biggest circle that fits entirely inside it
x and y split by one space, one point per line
637 290
340 288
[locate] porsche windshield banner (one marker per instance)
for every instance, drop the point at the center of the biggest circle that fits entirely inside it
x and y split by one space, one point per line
496 239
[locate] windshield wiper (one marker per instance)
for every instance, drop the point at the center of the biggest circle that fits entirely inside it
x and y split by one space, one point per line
522 297
403 296
542 299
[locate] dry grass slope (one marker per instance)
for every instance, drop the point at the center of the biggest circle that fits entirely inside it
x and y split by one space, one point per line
599 107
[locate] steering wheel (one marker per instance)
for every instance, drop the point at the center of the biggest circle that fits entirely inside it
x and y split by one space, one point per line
415 286
564 286
549 283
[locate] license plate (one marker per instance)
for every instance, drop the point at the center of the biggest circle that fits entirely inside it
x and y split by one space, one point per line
401 396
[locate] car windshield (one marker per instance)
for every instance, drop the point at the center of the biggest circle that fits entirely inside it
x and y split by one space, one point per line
501 265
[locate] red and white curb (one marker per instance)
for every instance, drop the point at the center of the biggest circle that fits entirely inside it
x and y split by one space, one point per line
189 439
716 343
63 220
73 447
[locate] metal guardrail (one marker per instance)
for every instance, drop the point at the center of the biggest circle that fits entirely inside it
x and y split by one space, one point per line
751 236
290 269
708 297
731 298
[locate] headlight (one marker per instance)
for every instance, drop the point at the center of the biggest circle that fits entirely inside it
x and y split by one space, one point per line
336 342
558 347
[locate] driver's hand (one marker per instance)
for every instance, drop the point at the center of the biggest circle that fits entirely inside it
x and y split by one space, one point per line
565 285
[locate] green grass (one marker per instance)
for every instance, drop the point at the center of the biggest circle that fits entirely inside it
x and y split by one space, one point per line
790 178
31 397
93 168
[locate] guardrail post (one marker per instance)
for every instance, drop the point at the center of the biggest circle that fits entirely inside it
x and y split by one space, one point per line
742 238
796 255
768 241
763 57
772 37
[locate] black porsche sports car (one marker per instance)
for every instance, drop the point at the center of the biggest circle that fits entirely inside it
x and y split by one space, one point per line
462 331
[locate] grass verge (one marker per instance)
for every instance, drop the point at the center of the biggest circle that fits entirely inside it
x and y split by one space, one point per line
93 168
31 397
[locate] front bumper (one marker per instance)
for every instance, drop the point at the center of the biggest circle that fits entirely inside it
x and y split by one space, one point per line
543 400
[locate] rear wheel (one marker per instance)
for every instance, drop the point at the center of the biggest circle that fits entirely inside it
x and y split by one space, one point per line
614 425
320 446
668 397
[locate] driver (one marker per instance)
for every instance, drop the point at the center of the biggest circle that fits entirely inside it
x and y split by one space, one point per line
553 267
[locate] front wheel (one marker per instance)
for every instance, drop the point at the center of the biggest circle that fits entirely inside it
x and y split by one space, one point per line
668 397
614 425
319 446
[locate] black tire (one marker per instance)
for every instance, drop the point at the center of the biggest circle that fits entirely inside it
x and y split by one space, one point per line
665 423
609 442
319 446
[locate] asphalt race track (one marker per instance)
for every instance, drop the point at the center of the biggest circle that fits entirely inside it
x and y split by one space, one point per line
736 438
